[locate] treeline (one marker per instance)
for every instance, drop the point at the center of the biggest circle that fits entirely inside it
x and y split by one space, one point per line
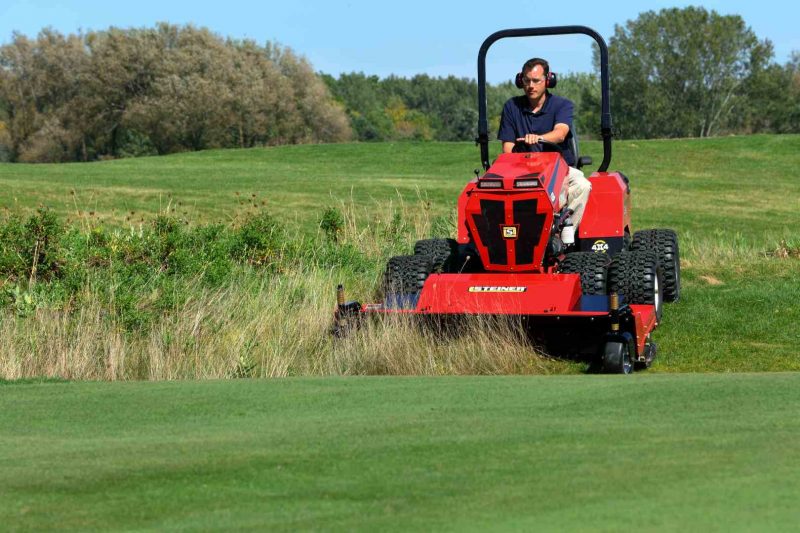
116 93
441 109
674 73
128 92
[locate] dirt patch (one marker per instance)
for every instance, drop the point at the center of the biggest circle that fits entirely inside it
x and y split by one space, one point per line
711 280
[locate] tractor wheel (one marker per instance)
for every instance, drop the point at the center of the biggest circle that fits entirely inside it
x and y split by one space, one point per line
617 358
406 274
665 243
637 276
443 252
592 267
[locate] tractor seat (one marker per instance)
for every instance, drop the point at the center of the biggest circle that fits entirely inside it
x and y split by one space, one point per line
573 145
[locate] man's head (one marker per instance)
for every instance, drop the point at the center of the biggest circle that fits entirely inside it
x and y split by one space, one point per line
535 78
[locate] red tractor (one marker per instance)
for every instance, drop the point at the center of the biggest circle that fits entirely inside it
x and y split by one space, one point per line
598 297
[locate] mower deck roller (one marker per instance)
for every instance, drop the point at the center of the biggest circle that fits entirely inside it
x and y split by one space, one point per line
599 297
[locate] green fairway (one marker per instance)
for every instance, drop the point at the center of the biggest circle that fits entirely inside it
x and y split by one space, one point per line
681 452
702 186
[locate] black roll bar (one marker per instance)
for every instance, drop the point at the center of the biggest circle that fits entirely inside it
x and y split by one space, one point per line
605 115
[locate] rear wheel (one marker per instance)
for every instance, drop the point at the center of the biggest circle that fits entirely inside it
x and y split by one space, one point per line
617 358
443 252
637 276
406 274
665 243
591 266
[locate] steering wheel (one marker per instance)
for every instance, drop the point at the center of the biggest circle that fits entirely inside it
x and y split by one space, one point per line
544 146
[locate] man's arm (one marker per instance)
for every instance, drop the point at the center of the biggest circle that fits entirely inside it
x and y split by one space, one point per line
557 136
559 133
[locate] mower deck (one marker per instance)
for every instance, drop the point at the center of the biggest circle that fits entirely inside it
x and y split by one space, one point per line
550 304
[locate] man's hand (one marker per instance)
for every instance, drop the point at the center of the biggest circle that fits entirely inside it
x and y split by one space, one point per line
530 138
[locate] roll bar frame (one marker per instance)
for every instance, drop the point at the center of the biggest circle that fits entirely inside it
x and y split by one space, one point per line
605 115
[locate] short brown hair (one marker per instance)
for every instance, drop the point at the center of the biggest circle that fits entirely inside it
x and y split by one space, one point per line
529 64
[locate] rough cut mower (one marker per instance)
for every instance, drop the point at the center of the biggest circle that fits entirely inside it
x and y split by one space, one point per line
596 294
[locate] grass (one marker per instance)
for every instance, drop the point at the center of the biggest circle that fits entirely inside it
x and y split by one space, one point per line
695 185
654 452
730 199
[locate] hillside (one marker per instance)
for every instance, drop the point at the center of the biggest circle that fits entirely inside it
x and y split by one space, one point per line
730 199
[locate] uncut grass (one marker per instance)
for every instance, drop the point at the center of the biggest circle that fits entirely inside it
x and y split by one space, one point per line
259 323
737 313
261 331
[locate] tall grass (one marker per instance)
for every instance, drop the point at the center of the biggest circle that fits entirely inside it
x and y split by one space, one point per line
169 301
253 298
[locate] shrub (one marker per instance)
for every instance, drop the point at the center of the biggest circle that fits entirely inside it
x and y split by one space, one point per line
259 241
332 223
31 250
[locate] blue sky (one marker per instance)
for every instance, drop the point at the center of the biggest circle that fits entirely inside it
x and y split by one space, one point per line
403 38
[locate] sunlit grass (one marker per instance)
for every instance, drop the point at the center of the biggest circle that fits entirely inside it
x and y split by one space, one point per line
730 204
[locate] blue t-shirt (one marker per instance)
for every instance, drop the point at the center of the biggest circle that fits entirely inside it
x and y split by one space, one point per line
518 120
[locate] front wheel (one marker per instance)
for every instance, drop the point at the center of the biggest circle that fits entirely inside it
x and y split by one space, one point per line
665 243
637 276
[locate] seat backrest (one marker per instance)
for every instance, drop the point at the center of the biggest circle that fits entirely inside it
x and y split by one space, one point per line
573 143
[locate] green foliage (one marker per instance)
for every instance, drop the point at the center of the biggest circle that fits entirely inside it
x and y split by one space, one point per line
445 109
332 223
260 241
773 100
418 108
134 144
681 72
444 225
5 137
31 250
132 92
142 273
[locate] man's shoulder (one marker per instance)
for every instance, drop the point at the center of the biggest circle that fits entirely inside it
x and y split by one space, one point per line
560 101
517 102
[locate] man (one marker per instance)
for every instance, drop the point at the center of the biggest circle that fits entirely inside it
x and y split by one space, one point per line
540 115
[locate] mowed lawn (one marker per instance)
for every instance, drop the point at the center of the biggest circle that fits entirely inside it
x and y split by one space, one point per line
699 186
701 452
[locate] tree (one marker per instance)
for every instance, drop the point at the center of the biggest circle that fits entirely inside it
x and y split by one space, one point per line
160 90
364 99
681 72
